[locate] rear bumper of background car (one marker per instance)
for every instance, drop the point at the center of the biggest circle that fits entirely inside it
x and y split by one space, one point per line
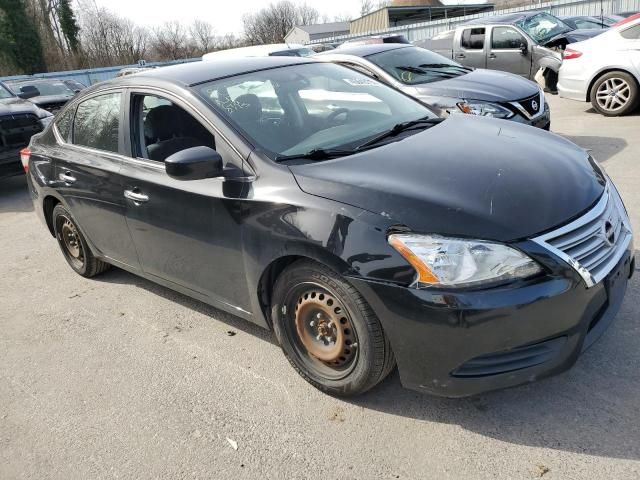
10 163
456 344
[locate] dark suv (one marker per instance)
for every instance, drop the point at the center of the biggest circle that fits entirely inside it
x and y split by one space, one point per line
312 199
19 120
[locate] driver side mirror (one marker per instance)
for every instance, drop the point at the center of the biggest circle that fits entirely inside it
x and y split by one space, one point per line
28 91
194 163
523 48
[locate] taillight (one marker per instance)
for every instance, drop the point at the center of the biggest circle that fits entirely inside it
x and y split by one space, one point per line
25 153
570 54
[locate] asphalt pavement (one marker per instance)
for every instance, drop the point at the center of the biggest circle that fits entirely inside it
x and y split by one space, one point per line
117 377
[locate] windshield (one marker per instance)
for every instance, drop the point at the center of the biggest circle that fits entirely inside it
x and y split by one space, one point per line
45 88
543 27
4 92
414 65
296 109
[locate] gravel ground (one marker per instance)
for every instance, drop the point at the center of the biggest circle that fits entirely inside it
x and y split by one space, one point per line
119 378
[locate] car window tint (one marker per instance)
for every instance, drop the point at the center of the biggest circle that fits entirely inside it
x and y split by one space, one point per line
166 128
473 38
632 33
63 124
97 122
506 38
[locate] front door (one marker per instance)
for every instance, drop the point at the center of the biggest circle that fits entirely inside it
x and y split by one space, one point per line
509 51
87 161
186 232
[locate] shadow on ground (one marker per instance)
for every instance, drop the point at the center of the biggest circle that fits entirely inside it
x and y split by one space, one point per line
602 148
589 409
14 196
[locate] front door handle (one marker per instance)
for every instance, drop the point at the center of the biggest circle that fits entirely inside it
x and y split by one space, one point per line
137 197
67 177
492 55
461 55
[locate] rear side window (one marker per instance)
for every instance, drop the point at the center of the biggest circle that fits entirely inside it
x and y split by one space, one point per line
63 124
97 122
632 33
506 38
473 39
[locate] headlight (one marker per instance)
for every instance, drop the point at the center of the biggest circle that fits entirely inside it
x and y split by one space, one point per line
484 109
451 262
45 121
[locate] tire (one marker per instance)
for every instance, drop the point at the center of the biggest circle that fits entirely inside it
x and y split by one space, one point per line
354 355
615 94
74 246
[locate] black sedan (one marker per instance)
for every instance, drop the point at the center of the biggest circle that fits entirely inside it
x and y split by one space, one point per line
311 199
446 85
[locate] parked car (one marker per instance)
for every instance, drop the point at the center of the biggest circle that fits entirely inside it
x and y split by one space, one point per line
53 93
269 50
476 253
583 22
611 20
374 39
131 70
604 70
520 43
447 85
19 120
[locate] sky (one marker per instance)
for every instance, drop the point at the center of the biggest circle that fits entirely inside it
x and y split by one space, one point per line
224 15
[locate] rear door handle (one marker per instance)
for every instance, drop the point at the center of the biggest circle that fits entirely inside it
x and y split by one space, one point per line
67 177
137 197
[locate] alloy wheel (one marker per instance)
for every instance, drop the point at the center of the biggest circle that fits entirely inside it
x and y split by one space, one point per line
613 94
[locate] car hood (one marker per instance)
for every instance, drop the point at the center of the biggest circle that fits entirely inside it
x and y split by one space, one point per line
487 85
10 106
47 99
467 176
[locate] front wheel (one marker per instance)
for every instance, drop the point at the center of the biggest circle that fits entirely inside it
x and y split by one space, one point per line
615 94
328 332
74 246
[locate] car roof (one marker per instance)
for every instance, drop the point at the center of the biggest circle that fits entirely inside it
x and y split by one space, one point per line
366 49
33 80
194 73
509 18
253 50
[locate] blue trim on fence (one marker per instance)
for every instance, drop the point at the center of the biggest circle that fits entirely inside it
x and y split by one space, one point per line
95 75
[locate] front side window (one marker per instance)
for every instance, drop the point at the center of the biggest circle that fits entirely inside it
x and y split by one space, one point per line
300 108
506 38
473 39
414 65
162 128
97 122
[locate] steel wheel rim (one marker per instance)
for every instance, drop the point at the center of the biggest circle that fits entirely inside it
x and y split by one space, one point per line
328 350
613 94
69 239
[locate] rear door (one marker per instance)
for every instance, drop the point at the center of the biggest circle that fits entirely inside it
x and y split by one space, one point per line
509 51
472 52
187 233
88 162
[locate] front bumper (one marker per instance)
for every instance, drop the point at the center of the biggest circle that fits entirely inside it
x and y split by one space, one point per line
462 343
541 121
10 163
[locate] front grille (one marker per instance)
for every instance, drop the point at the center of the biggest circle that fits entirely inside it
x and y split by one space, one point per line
594 243
17 130
532 106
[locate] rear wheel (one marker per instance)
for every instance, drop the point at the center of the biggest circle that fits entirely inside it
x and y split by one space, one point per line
615 94
328 332
74 246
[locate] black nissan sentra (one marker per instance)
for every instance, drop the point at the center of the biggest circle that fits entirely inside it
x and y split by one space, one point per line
311 199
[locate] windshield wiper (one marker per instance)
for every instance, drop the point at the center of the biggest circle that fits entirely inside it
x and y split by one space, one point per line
316 154
444 65
398 128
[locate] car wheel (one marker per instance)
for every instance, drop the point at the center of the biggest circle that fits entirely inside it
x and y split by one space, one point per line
74 246
615 94
327 330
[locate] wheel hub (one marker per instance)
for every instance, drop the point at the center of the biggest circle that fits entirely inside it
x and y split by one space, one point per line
71 239
324 328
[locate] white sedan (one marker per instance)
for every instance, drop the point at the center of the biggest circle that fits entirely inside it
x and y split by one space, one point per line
604 70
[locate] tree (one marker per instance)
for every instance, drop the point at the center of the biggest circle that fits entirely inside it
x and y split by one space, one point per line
19 40
170 41
68 24
272 23
203 36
